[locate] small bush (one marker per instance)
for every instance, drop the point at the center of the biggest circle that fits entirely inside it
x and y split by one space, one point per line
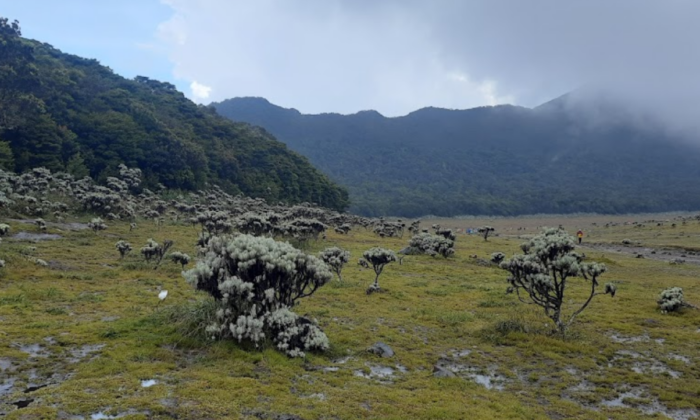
672 300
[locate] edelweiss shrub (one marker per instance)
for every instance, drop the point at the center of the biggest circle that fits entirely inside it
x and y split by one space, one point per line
378 258
498 257
180 258
541 274
671 300
123 247
258 281
155 251
335 258
426 243
97 225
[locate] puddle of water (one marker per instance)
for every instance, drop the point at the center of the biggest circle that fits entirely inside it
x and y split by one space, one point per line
35 237
33 388
148 383
619 401
644 365
488 381
655 367
331 369
672 356
6 387
82 352
583 386
23 403
626 340
379 372
655 407
102 416
5 364
33 350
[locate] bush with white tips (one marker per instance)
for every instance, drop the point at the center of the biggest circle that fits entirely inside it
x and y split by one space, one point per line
335 258
672 300
257 281
123 247
378 258
541 275
180 258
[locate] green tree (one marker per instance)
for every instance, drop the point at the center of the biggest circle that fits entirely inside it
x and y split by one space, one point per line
7 159
18 78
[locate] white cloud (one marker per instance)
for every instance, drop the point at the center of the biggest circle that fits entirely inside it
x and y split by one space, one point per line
396 56
199 91
316 56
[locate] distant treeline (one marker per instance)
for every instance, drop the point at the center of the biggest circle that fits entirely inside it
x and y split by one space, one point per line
502 160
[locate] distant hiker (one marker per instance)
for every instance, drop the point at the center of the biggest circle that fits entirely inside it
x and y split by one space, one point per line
579 234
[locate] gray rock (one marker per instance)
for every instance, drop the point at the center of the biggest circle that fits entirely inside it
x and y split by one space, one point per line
381 349
441 372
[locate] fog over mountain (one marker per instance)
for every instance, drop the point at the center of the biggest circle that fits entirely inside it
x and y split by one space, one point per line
396 56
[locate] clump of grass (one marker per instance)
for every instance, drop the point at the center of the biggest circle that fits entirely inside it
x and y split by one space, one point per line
454 318
492 303
56 311
191 319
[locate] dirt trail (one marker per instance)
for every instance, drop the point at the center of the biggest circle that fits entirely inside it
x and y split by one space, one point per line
660 253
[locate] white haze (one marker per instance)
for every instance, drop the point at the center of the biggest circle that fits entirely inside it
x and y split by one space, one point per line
396 56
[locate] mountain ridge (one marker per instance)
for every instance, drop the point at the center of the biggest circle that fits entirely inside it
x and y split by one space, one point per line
502 160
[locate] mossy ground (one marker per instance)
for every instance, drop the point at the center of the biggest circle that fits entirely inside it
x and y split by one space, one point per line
101 331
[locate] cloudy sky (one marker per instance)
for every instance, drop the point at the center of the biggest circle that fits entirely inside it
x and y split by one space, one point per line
394 56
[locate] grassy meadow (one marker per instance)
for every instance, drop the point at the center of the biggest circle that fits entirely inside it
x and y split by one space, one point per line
85 337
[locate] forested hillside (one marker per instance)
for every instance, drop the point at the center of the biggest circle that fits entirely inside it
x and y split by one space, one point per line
502 160
69 113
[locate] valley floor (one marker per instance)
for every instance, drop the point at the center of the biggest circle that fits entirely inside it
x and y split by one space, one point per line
85 336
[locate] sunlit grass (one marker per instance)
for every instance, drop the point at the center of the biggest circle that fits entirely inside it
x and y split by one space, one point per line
432 309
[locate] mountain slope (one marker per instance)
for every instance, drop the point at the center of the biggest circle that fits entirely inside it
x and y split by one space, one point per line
502 160
69 113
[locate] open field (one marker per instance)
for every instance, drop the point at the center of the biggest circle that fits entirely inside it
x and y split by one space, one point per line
85 337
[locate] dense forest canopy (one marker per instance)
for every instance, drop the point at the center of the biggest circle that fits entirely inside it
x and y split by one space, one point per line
68 113
502 160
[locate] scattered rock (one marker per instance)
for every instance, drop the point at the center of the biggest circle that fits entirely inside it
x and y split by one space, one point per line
381 349
441 372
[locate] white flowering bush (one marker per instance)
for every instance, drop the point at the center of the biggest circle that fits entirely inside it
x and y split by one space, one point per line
335 258
377 258
426 243
180 258
672 300
258 281
153 251
540 275
123 247
97 224
498 257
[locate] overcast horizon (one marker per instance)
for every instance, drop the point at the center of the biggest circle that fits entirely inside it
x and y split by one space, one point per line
391 56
